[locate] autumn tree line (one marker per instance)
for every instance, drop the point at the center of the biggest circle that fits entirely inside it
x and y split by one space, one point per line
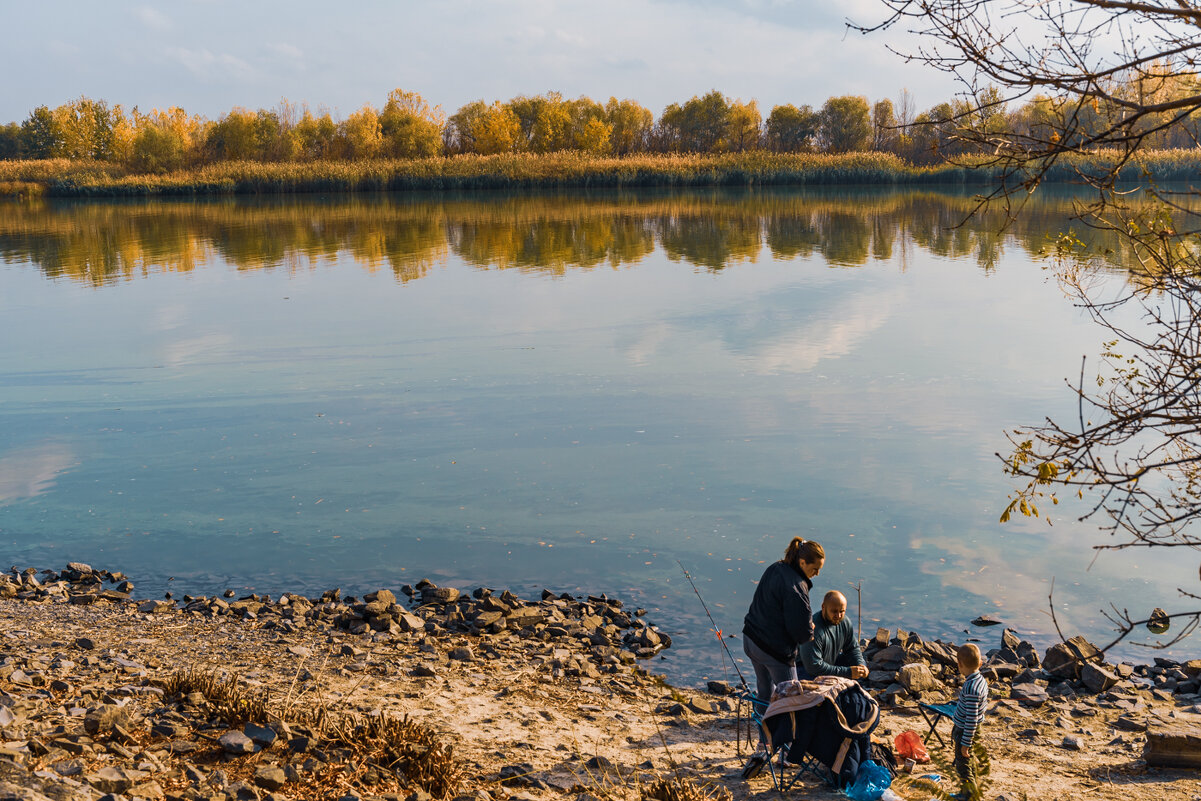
407 127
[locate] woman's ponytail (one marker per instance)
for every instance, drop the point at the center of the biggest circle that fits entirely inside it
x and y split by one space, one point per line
803 550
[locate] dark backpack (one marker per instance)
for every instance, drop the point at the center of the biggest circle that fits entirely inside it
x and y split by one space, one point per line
882 755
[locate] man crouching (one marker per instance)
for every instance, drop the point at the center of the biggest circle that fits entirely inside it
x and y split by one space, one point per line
833 651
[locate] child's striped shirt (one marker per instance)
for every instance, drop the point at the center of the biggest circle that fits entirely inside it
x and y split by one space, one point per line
969 711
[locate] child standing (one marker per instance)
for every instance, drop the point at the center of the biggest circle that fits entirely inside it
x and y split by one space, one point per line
969 712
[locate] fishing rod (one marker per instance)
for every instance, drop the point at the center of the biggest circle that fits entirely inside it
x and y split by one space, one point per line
716 629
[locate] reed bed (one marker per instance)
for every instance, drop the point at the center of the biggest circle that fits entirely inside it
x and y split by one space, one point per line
60 178
63 178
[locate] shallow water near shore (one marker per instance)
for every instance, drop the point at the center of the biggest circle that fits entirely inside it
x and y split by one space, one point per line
573 391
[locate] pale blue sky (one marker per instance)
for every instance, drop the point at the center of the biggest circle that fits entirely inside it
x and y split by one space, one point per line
211 55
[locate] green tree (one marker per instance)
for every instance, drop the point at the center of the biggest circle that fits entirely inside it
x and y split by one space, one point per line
791 129
40 134
884 127
158 150
589 130
316 136
630 126
699 126
544 121
844 125
459 134
745 125
10 141
232 137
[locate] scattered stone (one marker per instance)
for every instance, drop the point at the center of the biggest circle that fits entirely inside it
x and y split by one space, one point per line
1096 678
115 780
260 735
271 777
1073 743
986 620
102 719
1130 722
235 742
1029 694
1066 659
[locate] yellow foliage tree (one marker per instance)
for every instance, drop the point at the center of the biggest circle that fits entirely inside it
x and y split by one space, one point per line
496 130
360 134
594 138
409 127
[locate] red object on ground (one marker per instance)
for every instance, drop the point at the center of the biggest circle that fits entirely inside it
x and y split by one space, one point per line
909 746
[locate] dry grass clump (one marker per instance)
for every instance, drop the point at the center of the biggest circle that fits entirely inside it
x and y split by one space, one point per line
678 788
233 703
397 745
381 747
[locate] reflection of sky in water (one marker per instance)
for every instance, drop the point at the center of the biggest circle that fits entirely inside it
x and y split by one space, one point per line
29 471
312 428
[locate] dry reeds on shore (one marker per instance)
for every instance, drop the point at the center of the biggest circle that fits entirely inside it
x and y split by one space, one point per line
63 178
399 746
565 169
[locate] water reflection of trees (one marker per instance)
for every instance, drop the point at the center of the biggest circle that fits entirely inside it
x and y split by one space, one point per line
99 243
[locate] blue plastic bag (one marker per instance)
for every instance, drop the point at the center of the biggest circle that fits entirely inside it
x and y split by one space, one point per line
870 782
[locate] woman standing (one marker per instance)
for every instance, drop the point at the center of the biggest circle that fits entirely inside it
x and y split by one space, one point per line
779 621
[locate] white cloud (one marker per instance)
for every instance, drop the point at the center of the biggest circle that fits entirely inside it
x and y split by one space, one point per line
286 50
204 63
153 18
568 38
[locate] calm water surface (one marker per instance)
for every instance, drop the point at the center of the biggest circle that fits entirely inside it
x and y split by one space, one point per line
569 391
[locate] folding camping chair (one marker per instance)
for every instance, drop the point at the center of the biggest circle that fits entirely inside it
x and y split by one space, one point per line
934 714
819 728
778 764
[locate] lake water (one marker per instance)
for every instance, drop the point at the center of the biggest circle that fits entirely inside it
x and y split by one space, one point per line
573 391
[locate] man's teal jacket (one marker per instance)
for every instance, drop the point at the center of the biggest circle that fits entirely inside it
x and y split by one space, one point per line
832 650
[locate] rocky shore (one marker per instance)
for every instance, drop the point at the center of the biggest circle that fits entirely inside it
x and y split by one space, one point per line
485 696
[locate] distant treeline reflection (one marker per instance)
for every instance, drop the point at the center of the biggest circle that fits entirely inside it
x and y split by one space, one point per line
102 243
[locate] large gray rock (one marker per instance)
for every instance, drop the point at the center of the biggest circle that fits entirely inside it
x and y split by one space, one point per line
386 597
439 595
155 607
271 777
942 653
1029 694
102 719
115 780
917 678
889 658
261 735
1096 678
410 622
235 742
1066 659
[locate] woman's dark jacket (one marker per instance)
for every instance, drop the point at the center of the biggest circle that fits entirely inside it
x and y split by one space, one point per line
780 619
